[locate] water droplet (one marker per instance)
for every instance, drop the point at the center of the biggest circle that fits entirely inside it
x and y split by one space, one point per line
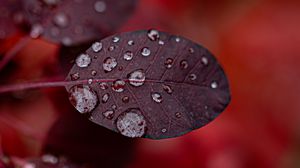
103 85
51 2
111 48
96 47
125 99
169 63
49 159
108 114
193 76
177 39
118 85
67 41
184 64
90 81
156 97
94 73
120 68
105 98
114 106
75 76
131 124
83 60
136 78
145 51
191 50
130 42
160 42
178 115
36 31
100 6
153 35
214 85
116 39
163 130
167 89
204 60
128 55
83 98
61 20
109 64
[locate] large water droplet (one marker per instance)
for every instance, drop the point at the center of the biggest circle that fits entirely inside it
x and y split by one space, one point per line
169 63
75 76
128 55
109 64
61 20
105 98
136 78
153 35
184 64
49 159
214 85
156 97
103 85
36 31
100 6
83 60
109 114
83 98
96 47
167 89
131 124
145 51
118 85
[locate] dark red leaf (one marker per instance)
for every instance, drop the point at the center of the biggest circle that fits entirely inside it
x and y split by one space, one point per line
149 84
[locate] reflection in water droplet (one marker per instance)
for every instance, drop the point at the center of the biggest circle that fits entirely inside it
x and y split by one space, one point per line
153 35
163 130
169 63
109 64
61 20
75 76
137 78
160 42
125 99
105 98
184 64
118 85
83 98
49 159
167 89
214 85
204 60
103 85
36 31
83 60
178 115
116 39
94 73
109 114
193 76
130 42
131 124
145 51
156 97
128 55
96 47
100 6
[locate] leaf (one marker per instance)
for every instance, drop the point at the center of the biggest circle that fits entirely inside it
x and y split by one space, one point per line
149 84
72 22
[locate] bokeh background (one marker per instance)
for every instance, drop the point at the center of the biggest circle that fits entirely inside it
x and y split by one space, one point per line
256 41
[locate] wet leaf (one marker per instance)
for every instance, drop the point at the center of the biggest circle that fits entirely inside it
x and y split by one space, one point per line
169 87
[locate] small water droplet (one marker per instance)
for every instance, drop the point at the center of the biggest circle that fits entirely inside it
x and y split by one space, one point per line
130 42
105 98
137 78
156 97
169 63
177 39
167 89
100 6
128 55
125 99
83 98
90 81
131 124
184 64
94 73
36 31
118 85
109 64
109 114
178 115
145 51
120 68
160 42
214 85
96 47
67 41
83 60
103 85
153 35
163 130
111 48
116 39
61 20
49 159
114 106
75 76
193 76
191 50
204 60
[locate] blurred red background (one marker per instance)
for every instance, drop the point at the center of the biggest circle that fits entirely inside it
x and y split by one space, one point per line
257 43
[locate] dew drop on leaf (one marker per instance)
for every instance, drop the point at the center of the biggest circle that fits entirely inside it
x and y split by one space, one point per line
153 35
109 64
130 42
118 85
137 78
109 114
75 76
100 6
103 85
167 88
156 97
83 60
184 64
61 20
193 76
214 85
128 55
125 99
97 46
105 98
116 39
145 51
169 63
